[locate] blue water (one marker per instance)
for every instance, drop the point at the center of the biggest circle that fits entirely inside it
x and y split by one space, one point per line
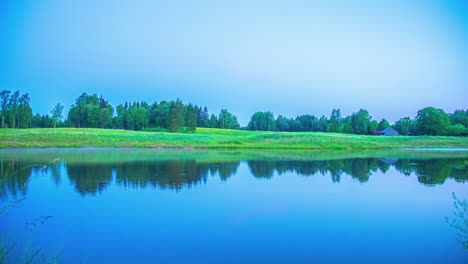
189 210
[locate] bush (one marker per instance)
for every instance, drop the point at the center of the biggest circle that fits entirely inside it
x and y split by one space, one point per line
458 130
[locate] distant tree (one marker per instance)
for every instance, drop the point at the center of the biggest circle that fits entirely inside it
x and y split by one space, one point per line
308 122
282 123
263 121
227 120
335 122
459 117
94 111
213 122
74 116
24 111
126 116
457 130
36 121
5 99
159 115
152 114
322 124
372 127
432 121
44 121
140 116
87 112
191 117
106 112
404 126
47 121
176 116
347 125
203 117
383 124
105 117
118 120
361 123
295 125
13 109
57 114
92 115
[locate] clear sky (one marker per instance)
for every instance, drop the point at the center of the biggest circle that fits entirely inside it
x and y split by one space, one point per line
291 57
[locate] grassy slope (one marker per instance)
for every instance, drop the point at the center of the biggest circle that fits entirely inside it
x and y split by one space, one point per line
214 138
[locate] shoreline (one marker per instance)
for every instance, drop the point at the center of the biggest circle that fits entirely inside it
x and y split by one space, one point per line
206 138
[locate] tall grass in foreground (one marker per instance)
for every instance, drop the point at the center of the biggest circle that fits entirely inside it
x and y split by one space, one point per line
459 220
8 246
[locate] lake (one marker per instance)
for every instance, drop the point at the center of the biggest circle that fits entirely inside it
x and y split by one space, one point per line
229 206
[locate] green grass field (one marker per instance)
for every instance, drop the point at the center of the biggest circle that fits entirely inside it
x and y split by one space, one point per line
215 138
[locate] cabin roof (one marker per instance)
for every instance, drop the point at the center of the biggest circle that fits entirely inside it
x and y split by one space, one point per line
390 129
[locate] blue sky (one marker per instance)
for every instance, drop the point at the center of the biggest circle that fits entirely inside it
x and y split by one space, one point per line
290 57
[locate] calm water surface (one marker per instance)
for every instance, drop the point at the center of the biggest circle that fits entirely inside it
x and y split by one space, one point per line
187 206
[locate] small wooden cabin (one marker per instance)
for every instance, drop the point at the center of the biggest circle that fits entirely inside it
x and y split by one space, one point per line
388 132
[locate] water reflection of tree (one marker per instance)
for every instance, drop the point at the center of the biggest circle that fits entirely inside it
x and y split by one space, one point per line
429 172
14 177
169 174
89 178
459 220
92 178
224 169
434 171
360 169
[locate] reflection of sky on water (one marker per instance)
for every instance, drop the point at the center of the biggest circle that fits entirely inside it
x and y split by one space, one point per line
351 210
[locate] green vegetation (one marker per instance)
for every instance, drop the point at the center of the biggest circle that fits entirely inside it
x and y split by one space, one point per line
15 110
429 121
432 121
7 246
91 111
215 138
95 112
459 220
56 114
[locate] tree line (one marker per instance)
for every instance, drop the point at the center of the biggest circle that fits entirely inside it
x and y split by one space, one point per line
174 116
429 121
93 111
15 110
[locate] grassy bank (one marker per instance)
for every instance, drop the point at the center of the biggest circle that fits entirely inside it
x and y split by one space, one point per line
215 138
